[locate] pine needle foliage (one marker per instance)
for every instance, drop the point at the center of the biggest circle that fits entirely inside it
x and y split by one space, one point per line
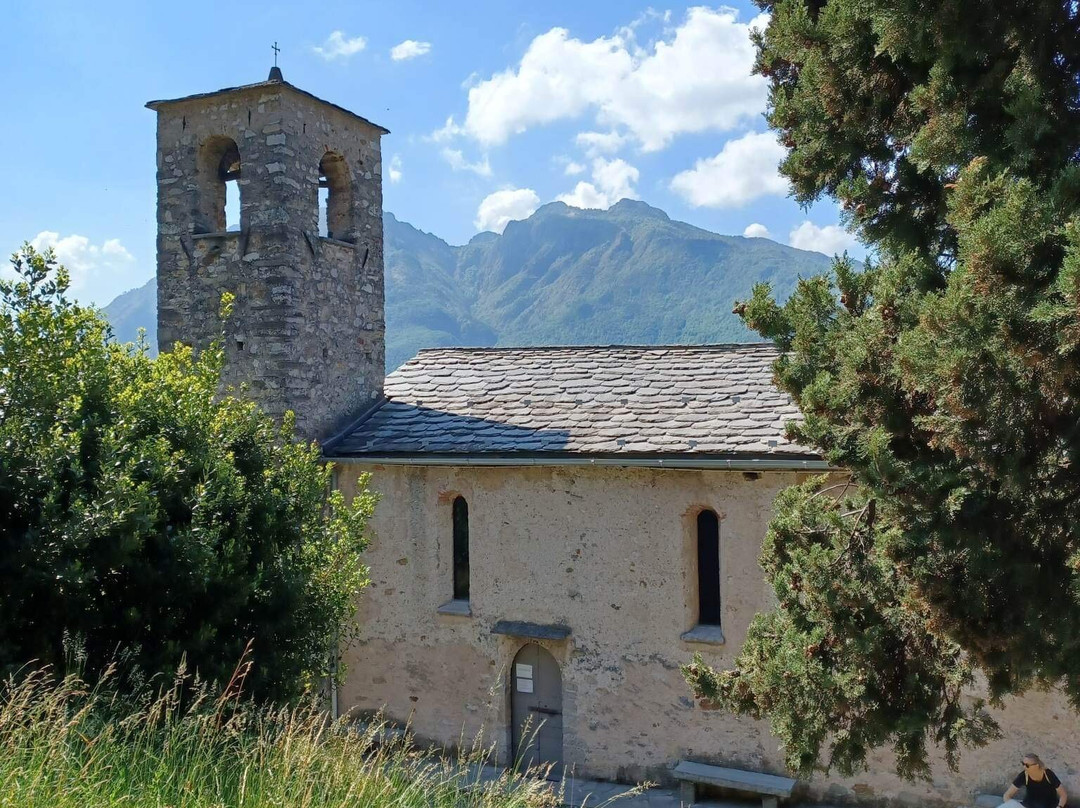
142 512
943 378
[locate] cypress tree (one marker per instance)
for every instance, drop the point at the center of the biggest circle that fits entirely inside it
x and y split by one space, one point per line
942 377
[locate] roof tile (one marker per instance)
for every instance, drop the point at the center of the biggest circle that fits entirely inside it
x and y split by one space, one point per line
707 399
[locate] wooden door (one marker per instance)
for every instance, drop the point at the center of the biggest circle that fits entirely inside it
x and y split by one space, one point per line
536 710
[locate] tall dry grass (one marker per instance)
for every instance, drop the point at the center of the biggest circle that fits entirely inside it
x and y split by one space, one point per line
65 744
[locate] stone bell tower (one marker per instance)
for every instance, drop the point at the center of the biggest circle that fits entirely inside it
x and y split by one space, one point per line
307 329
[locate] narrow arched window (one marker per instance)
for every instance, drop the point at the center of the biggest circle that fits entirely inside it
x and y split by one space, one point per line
335 197
708 559
218 174
461 549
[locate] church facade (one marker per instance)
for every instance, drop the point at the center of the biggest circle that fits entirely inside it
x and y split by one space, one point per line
559 528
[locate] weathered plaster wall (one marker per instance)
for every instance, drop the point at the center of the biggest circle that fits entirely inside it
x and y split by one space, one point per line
307 331
609 552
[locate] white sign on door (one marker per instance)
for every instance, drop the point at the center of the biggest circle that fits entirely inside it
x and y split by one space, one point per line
525 685
524 672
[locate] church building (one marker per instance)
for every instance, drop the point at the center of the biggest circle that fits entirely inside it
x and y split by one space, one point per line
559 527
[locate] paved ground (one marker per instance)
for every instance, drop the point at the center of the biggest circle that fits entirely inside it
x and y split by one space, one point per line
593 794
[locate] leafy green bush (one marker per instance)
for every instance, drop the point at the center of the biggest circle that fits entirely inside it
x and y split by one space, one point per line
142 511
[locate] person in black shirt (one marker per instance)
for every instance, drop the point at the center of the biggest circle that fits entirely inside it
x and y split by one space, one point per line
1044 789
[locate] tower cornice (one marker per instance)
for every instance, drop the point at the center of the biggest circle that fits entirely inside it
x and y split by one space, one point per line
270 84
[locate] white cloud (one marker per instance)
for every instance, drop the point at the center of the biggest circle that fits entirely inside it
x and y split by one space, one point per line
458 162
596 143
697 79
831 239
339 46
756 230
612 180
570 166
616 177
504 206
745 169
92 267
409 49
448 131
394 168
645 16
558 77
586 195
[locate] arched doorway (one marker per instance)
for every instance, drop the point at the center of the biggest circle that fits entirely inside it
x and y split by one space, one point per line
536 710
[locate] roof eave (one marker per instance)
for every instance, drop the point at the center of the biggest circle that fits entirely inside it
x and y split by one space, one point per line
331 443
741 462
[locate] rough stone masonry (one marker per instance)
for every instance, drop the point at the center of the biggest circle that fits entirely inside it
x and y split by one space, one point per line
307 332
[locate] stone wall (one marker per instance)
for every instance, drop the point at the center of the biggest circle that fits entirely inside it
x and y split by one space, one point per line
307 331
610 553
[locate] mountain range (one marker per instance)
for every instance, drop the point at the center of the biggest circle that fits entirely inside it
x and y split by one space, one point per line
629 275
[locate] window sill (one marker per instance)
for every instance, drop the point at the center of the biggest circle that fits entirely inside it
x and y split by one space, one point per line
706 635
460 608
338 242
219 235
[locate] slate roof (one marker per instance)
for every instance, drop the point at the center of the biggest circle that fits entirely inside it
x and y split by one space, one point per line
655 400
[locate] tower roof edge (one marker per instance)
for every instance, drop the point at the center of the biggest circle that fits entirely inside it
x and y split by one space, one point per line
268 84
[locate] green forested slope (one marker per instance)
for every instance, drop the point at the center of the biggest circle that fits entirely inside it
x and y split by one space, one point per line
564 276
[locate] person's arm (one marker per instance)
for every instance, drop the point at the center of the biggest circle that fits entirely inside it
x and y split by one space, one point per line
1062 796
1010 793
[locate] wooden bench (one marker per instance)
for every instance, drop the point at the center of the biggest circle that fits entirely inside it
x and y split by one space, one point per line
768 786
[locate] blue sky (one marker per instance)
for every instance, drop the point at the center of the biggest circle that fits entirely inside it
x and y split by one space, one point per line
494 108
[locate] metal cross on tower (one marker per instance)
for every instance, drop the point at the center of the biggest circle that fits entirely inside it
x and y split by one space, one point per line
275 49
